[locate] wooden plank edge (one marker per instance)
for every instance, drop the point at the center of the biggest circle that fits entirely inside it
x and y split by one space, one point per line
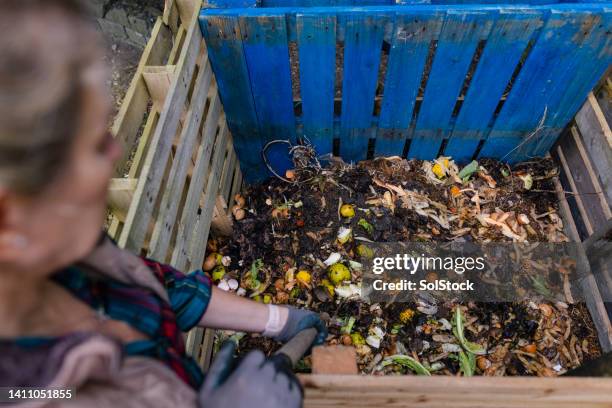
198 242
207 348
236 187
178 172
605 206
583 214
591 292
189 216
120 194
158 80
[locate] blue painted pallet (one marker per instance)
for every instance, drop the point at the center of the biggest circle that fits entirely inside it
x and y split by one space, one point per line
362 47
554 66
331 3
552 53
412 37
505 45
461 32
267 56
223 35
317 50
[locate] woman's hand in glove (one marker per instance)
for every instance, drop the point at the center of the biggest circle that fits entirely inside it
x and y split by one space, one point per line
298 320
256 382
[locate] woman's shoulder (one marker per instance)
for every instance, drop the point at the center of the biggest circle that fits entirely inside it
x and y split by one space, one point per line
94 367
121 265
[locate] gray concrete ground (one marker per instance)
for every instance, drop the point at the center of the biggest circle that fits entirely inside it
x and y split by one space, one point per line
126 26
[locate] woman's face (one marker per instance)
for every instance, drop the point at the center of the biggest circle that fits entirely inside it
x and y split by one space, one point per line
62 223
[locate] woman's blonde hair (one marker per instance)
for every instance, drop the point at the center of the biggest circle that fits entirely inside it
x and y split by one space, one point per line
45 46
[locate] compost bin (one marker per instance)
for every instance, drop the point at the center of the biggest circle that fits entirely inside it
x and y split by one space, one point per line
410 80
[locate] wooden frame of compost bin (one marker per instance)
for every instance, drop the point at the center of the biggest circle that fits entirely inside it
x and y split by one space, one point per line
179 169
179 172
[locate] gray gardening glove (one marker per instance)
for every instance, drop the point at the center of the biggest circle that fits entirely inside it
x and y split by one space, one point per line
298 320
256 382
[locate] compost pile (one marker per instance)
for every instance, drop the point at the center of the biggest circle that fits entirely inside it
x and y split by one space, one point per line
297 242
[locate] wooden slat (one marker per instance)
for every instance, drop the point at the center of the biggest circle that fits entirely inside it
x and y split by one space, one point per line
446 391
267 56
597 137
599 194
158 80
599 251
576 194
412 37
505 45
193 344
200 235
590 291
236 187
186 8
225 184
180 165
179 41
134 106
207 348
120 193
171 15
363 38
316 39
584 178
224 41
458 40
180 255
221 220
134 232
143 144
114 228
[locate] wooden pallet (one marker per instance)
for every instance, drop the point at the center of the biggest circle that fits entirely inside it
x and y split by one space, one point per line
179 166
584 153
391 78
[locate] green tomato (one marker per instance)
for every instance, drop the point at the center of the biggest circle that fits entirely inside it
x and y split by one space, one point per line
357 339
338 273
218 273
295 292
365 251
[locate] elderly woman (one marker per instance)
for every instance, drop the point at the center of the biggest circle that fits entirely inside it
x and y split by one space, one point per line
76 311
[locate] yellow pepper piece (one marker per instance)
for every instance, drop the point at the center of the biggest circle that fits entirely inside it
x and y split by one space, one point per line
303 277
347 211
438 170
406 315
